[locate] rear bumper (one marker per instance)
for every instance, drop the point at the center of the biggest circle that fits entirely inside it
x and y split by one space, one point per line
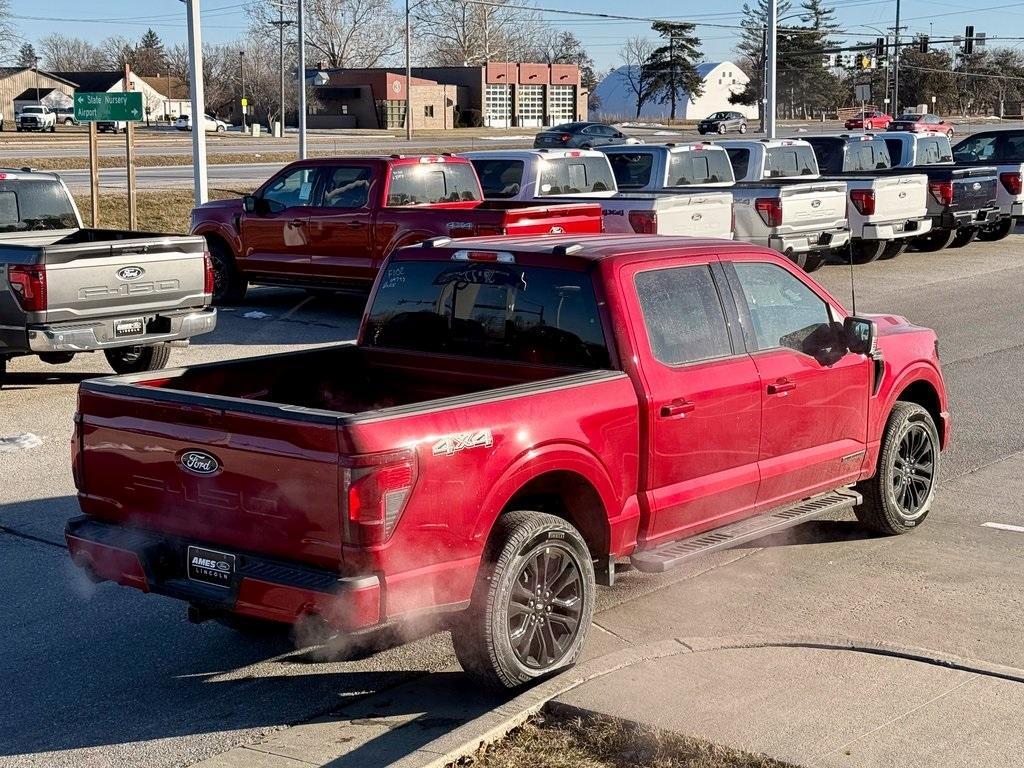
99 334
894 230
1017 210
958 219
260 588
809 241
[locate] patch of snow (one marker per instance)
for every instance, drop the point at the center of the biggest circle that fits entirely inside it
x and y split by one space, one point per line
256 315
20 442
504 138
666 133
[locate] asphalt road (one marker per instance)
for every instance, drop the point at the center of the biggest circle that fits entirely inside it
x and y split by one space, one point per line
106 676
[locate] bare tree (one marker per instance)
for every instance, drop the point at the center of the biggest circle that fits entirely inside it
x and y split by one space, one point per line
634 55
61 53
467 33
9 36
116 51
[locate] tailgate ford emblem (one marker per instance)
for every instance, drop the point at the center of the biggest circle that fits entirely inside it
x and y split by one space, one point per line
977 186
815 203
199 462
130 273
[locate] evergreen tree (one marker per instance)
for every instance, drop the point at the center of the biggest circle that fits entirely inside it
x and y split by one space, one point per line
149 57
26 55
751 53
671 67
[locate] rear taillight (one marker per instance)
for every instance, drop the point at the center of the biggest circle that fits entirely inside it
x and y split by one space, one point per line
1011 181
29 286
207 273
488 229
863 200
375 489
770 209
942 191
644 222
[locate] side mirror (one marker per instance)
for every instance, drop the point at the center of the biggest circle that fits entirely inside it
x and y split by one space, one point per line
861 335
250 203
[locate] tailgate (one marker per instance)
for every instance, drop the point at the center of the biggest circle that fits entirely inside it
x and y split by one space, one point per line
974 188
809 207
900 198
214 474
123 277
574 218
704 215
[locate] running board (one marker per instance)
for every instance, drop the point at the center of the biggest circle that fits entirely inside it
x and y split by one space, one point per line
675 553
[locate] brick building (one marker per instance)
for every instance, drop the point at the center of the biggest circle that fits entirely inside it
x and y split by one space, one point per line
497 94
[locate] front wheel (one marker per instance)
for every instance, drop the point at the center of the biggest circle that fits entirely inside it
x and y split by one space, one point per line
949 134
1002 229
532 604
220 129
722 129
152 357
229 286
899 496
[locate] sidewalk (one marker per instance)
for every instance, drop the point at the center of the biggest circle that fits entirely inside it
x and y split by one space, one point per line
819 707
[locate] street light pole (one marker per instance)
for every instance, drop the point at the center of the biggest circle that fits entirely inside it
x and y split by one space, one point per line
195 76
302 83
241 76
408 76
896 65
280 23
770 69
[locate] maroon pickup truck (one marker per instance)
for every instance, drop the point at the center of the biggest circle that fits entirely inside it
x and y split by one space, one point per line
517 415
331 222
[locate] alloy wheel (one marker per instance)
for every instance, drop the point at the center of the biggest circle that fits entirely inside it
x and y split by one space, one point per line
913 471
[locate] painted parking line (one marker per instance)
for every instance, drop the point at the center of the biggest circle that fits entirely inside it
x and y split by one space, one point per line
1004 527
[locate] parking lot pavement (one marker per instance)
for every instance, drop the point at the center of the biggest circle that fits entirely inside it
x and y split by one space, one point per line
102 675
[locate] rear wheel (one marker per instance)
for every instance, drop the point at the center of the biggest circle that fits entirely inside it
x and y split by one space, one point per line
899 496
1002 228
866 251
229 286
964 235
894 248
743 127
151 357
810 262
935 240
532 605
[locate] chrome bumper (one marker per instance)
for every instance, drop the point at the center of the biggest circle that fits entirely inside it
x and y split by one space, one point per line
99 334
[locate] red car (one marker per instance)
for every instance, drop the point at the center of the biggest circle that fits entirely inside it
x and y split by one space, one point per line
330 222
869 121
517 415
925 123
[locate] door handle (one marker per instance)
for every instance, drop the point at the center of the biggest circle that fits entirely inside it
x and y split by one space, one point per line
678 407
781 387
296 222
355 225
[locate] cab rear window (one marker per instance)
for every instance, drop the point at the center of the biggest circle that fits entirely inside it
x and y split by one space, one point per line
489 310
431 183
574 175
787 161
34 205
632 170
500 179
698 167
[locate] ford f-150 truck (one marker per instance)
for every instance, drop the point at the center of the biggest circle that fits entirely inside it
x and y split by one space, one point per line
581 175
517 415
1005 150
66 290
657 167
778 204
886 209
330 222
962 199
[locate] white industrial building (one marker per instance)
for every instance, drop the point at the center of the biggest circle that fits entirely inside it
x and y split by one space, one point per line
618 101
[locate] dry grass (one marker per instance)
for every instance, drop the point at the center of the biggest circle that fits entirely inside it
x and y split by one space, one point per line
64 163
161 211
562 741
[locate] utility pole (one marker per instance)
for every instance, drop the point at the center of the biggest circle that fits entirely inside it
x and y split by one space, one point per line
408 76
281 23
129 146
896 66
763 106
195 76
773 30
672 70
241 76
35 62
302 83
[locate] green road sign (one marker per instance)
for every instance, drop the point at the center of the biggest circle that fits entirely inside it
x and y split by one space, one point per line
96 107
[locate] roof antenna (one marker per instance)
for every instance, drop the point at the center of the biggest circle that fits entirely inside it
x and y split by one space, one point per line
853 285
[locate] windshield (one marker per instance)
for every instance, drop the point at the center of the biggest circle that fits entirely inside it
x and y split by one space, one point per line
432 183
32 110
719 116
490 310
35 205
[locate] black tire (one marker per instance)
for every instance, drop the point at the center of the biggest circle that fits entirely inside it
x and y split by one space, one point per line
53 128
722 129
485 637
743 127
586 146
229 286
866 251
894 249
3 371
1002 229
899 496
810 262
220 129
68 122
151 357
935 240
57 358
964 235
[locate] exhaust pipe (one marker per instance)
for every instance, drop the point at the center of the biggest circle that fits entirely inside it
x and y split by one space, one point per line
197 614
85 562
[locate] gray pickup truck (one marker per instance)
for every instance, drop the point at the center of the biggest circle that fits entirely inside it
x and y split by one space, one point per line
65 289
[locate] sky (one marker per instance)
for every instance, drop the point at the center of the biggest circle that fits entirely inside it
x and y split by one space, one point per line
224 20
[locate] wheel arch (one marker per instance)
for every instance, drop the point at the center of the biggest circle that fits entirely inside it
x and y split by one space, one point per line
925 394
214 233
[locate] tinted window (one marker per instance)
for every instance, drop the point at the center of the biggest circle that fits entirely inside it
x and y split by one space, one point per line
740 159
867 156
791 161
500 178
683 315
933 150
698 167
572 175
783 310
632 169
34 205
895 147
829 153
347 187
429 183
291 189
497 311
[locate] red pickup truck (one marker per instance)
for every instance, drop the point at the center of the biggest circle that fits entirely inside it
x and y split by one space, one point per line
517 415
330 222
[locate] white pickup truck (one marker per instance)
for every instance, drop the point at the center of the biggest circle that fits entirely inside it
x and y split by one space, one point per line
36 118
659 167
1005 150
543 174
886 209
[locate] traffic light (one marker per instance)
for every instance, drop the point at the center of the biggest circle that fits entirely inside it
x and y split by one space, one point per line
879 47
864 61
923 44
969 41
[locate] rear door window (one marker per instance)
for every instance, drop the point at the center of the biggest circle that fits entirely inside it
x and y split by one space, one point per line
500 179
683 315
346 186
830 155
698 167
574 175
432 183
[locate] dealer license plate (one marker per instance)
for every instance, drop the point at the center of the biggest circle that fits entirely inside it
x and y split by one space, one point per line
210 566
124 328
